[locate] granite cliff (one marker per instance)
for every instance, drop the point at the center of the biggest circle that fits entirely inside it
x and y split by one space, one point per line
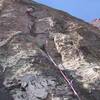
96 22
27 29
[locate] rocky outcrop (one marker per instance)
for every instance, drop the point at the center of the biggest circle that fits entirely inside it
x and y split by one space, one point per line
96 22
27 29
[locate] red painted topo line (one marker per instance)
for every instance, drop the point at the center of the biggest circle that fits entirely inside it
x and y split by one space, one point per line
64 76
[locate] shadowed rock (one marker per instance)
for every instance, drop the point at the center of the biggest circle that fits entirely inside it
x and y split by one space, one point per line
26 73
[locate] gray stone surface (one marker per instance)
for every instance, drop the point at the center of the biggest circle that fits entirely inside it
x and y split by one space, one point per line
26 73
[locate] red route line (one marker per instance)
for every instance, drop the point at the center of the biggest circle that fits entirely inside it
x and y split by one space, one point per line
65 78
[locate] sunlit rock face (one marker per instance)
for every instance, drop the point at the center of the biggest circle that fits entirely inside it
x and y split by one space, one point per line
27 29
96 22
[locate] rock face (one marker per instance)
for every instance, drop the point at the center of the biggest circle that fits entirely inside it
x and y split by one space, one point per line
96 22
26 73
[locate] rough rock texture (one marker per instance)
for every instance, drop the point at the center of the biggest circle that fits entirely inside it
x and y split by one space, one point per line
26 73
96 22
